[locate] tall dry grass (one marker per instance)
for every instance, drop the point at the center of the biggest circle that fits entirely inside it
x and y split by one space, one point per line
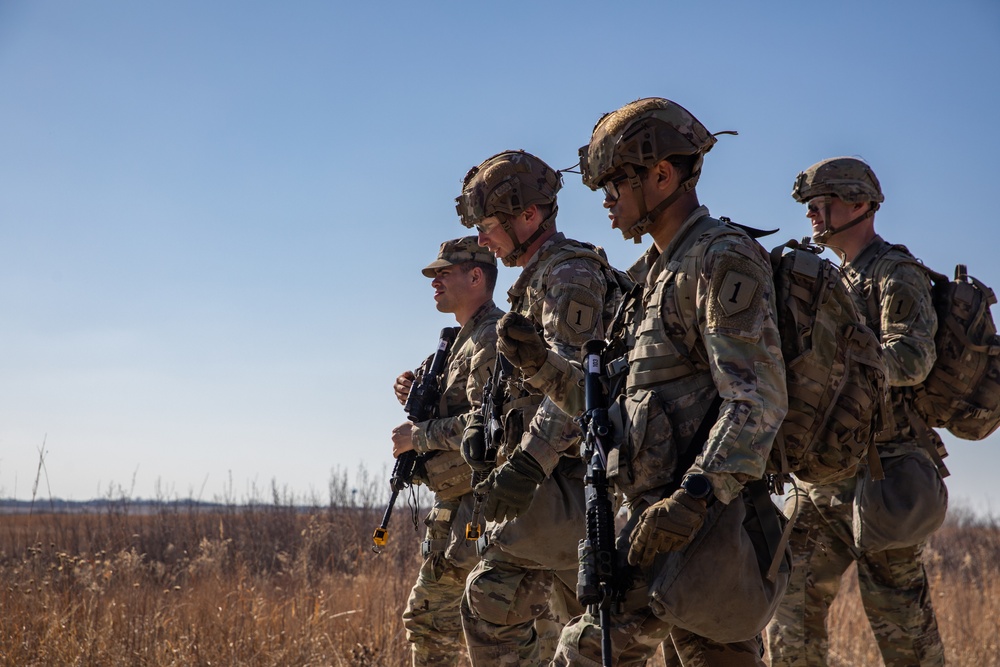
248 584
273 584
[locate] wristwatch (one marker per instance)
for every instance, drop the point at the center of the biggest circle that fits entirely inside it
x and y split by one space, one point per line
698 487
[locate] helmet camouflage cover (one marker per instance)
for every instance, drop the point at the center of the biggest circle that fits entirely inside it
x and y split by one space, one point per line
642 133
848 178
506 183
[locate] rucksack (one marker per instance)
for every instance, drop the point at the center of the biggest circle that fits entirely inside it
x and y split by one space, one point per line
834 371
962 391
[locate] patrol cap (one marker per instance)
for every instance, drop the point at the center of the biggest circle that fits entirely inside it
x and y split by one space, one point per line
459 251
848 178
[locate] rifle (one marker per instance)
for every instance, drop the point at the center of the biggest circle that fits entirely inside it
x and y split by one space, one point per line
595 586
421 404
491 411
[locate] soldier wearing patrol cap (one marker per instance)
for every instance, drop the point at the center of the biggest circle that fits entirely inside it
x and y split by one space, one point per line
535 504
702 336
841 195
463 277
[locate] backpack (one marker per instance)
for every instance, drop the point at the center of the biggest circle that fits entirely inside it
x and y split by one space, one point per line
834 371
962 391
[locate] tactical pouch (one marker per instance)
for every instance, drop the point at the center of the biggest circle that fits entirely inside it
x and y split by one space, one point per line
903 509
448 475
646 457
717 586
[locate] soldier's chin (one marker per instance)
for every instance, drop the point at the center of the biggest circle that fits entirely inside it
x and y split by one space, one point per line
628 233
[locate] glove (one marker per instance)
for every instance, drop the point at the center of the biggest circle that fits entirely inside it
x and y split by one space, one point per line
511 487
474 445
520 343
667 525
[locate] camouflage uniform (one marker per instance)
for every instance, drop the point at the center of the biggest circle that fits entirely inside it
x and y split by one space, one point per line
687 331
690 328
432 618
893 584
532 559
896 297
523 591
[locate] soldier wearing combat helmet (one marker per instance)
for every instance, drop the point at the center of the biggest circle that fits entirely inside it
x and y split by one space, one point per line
535 504
703 338
463 277
841 195
847 179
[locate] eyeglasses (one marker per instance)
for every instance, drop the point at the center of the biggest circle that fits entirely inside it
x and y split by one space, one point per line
484 228
610 188
816 203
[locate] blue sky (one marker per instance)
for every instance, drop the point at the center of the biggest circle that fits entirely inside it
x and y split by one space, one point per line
214 214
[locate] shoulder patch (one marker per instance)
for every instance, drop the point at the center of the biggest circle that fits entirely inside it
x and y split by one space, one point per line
899 306
579 316
736 292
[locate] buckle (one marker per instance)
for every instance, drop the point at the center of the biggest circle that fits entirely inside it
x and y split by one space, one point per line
482 543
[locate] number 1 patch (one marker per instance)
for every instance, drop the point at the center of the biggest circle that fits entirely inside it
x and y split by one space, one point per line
737 291
580 317
899 307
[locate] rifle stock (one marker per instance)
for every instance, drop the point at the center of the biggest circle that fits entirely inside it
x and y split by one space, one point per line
421 405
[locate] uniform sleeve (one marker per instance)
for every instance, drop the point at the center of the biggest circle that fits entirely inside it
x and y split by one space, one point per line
736 311
908 323
571 310
483 359
562 381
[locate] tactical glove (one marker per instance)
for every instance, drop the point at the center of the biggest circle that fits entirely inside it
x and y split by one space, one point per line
520 343
511 487
667 525
474 445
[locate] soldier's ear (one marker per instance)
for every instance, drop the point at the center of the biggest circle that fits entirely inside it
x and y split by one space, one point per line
664 174
476 276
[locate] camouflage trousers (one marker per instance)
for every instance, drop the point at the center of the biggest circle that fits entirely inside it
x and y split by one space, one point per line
893 584
513 614
432 618
637 632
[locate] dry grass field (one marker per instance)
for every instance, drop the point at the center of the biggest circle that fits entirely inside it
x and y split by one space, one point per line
271 584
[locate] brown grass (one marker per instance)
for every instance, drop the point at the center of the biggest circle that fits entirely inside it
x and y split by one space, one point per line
272 584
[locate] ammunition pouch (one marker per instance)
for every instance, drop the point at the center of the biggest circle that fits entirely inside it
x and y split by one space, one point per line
447 474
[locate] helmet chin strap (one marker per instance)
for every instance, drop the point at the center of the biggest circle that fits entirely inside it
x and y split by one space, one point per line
647 218
822 237
510 260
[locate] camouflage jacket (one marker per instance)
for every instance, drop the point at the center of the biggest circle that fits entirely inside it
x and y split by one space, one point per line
569 293
706 326
472 356
895 294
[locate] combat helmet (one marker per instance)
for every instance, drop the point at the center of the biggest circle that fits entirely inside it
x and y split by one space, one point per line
504 186
847 178
637 136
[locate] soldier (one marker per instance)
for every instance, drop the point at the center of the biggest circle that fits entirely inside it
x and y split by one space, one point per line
535 506
464 276
704 337
842 195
